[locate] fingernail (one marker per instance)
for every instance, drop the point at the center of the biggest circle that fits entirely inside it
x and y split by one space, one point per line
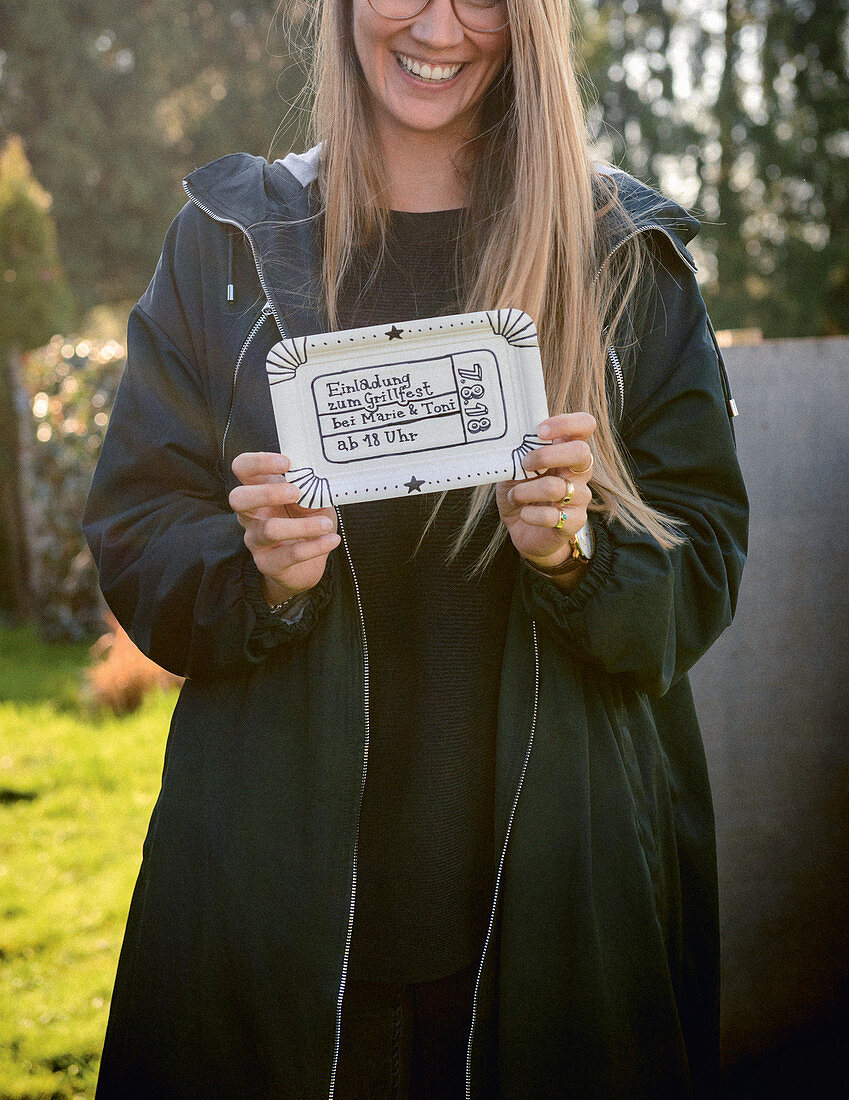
544 431
325 523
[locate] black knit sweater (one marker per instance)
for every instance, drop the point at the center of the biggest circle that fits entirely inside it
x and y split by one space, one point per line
435 639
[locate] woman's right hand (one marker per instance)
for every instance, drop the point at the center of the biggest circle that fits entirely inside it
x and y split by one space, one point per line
288 543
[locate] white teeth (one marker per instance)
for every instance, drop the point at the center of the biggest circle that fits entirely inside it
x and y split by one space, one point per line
427 72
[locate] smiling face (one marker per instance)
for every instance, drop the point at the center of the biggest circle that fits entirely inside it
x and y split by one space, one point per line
427 74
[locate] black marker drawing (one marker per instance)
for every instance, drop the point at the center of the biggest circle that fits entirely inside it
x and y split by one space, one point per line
315 491
528 444
351 411
284 359
515 326
409 406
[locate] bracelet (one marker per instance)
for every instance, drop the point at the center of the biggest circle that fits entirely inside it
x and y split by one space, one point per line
582 545
570 565
276 608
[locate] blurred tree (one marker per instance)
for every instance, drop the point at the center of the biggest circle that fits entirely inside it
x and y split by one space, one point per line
733 295
740 109
118 100
33 300
798 225
633 53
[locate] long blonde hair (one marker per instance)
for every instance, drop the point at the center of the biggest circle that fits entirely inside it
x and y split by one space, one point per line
532 227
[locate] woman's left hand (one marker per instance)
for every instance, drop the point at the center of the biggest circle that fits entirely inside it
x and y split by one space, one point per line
531 510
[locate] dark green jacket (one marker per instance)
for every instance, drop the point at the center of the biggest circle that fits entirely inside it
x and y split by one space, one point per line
600 975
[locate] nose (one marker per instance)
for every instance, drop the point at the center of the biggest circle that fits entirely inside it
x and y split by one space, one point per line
437 26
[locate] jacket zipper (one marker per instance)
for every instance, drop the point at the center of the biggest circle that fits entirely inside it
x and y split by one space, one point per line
254 250
359 811
265 313
498 876
730 403
620 379
647 228
611 351
284 333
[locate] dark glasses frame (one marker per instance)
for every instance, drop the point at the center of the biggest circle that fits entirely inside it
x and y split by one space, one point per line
421 8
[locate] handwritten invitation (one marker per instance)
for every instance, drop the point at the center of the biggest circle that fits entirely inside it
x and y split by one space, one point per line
419 406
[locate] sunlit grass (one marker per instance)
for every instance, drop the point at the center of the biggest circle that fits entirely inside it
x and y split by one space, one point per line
75 798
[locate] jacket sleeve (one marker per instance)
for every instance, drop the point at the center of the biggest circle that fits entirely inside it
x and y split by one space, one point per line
643 612
170 552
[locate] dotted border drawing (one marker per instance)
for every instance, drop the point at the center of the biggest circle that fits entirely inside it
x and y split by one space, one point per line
418 406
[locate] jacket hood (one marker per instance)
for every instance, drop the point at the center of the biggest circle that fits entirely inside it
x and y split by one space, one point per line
245 189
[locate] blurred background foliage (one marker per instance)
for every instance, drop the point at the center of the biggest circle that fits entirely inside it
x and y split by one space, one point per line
117 100
739 109
71 384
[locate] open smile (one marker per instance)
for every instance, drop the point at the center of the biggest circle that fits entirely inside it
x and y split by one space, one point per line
428 74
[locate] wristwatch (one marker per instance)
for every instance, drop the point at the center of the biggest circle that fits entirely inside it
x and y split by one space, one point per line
583 548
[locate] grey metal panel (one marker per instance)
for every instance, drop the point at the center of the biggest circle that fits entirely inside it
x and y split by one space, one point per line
773 697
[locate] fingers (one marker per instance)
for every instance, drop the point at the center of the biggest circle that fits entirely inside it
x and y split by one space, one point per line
569 449
540 515
547 490
541 501
273 532
289 543
253 467
274 558
578 425
574 456
248 499
279 543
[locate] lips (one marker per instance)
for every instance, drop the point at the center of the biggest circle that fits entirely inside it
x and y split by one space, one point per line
430 74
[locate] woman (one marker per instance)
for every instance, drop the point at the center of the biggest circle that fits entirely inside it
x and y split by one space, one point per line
435 816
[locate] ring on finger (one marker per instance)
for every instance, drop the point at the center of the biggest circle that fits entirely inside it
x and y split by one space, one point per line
570 492
586 469
560 523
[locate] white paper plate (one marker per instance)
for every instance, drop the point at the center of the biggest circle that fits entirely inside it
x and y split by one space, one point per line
420 406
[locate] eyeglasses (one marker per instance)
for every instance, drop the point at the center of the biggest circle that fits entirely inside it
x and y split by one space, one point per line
483 16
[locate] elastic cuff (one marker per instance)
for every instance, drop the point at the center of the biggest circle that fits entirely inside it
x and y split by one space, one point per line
541 592
270 630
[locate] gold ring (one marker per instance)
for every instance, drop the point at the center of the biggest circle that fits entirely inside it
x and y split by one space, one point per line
570 492
559 525
586 469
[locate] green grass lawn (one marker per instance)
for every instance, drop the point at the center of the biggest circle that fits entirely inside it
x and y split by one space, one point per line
75 797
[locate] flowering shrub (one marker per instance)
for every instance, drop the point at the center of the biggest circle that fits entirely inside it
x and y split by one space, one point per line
71 384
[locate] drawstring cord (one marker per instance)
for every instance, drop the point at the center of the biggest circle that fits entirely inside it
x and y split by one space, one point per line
231 292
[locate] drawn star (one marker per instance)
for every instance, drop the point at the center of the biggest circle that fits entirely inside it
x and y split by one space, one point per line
413 485
394 333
